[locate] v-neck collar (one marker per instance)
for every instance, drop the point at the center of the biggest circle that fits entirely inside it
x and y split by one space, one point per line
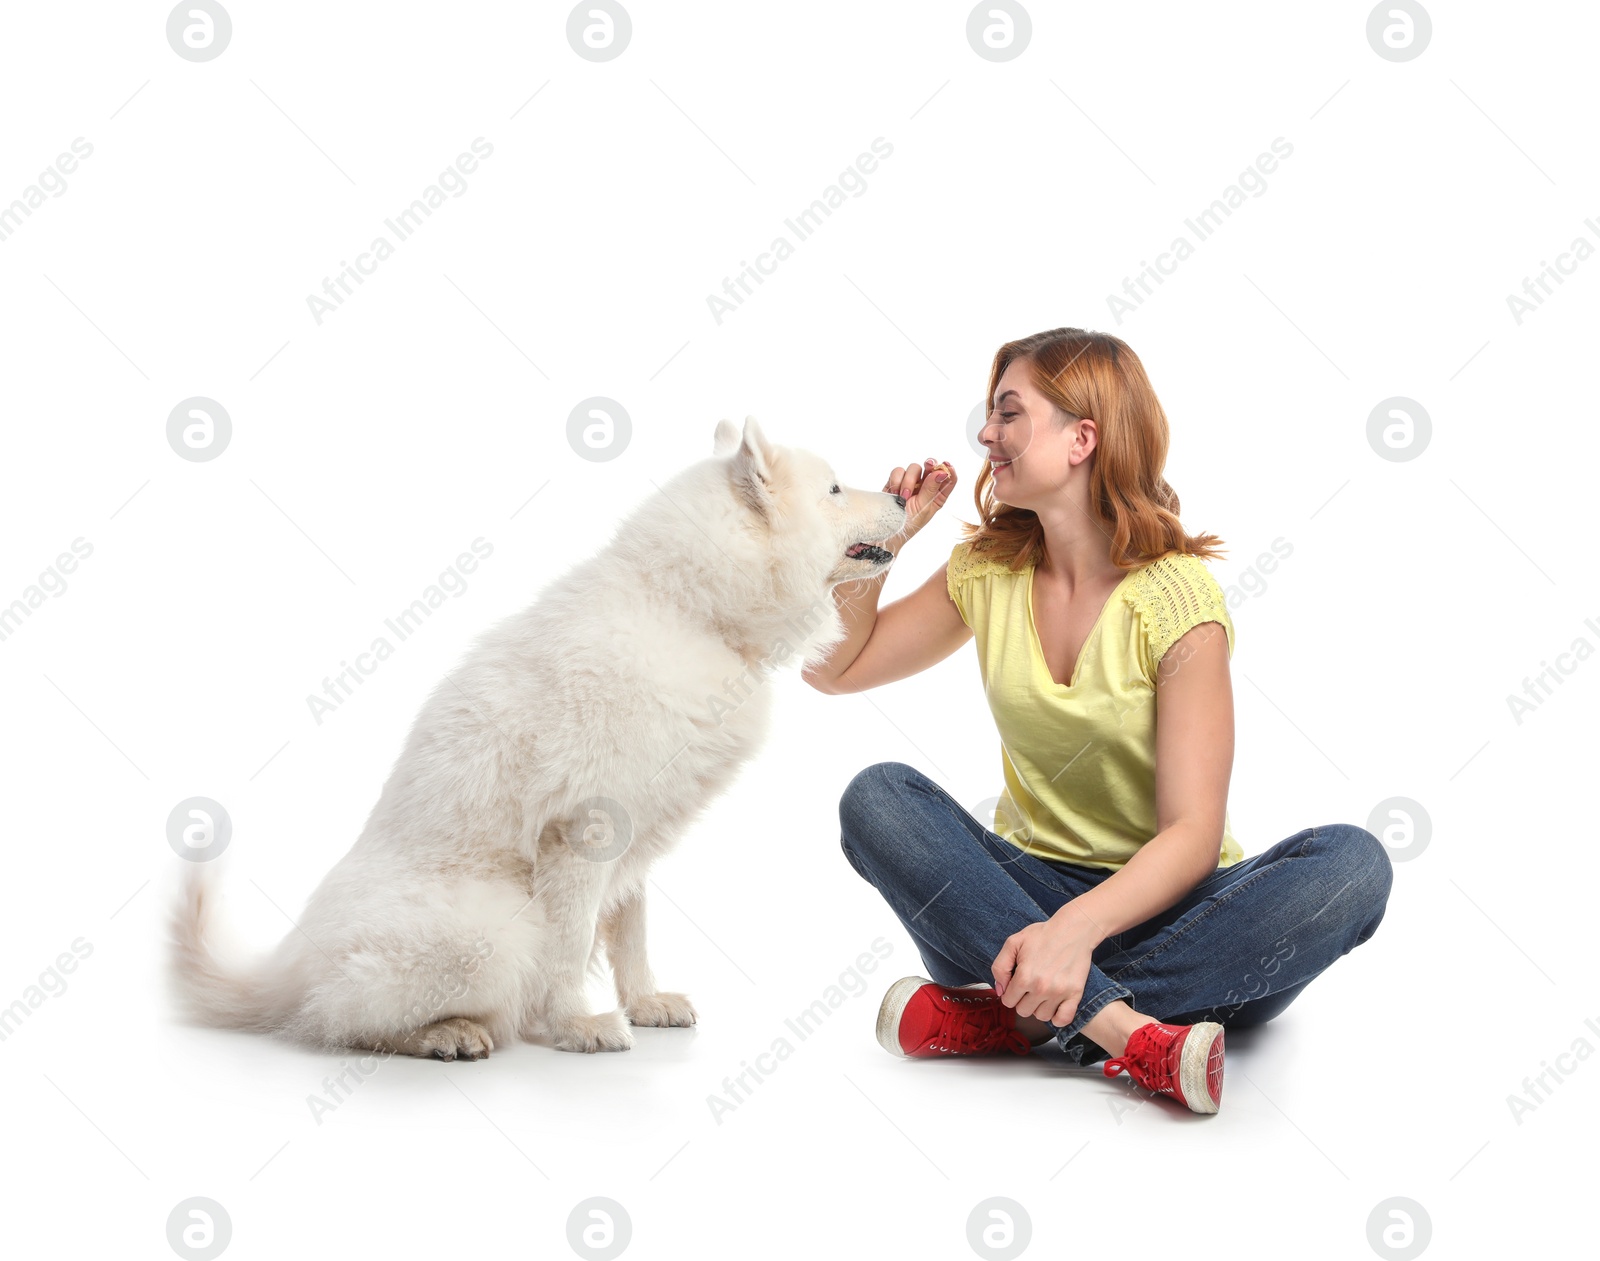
1037 646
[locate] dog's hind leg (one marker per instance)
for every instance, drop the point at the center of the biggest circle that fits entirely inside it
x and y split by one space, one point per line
624 934
455 1039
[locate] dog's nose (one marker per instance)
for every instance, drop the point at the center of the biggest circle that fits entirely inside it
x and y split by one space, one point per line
901 500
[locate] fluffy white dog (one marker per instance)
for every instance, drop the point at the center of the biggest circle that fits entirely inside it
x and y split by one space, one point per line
571 747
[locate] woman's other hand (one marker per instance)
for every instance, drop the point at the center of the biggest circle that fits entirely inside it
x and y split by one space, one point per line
1041 970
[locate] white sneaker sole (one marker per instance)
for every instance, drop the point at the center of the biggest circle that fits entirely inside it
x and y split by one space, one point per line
1193 1071
890 1010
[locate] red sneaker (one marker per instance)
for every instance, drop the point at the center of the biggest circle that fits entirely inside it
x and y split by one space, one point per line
1183 1061
918 1017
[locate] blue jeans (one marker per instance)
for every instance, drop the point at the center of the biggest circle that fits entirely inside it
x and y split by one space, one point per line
1236 949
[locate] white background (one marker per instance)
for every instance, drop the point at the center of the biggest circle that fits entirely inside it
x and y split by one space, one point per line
369 450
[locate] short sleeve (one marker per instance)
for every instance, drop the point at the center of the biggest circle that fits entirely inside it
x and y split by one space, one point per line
1172 596
962 567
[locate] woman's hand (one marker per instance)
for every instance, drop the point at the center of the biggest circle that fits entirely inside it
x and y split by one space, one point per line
1041 969
924 487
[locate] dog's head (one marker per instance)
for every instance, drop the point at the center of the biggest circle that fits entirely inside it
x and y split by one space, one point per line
819 530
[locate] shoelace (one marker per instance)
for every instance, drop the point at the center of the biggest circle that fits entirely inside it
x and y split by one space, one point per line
976 1031
1148 1065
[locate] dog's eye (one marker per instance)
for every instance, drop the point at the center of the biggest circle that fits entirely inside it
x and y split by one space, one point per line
835 489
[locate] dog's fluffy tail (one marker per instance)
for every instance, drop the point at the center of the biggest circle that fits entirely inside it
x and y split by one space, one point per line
208 990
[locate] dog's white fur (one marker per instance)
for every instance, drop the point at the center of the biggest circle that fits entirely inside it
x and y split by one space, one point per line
475 901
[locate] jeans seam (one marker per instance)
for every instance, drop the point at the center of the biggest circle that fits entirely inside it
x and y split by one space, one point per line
1055 881
1220 901
1380 861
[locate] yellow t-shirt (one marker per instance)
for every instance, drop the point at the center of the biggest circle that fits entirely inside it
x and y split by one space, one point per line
1079 758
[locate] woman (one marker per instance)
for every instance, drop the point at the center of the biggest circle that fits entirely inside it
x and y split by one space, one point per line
1112 908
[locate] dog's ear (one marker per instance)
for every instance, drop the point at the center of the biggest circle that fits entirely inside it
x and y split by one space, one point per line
753 434
726 439
752 468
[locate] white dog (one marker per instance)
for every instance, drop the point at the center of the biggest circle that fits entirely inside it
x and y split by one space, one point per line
571 747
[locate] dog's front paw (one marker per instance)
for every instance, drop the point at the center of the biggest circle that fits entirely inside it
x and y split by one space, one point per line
604 1032
662 1011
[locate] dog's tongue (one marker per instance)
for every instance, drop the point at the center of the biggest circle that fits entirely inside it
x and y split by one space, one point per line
869 551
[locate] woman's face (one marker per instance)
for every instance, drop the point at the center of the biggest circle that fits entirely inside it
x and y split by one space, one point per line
1028 448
